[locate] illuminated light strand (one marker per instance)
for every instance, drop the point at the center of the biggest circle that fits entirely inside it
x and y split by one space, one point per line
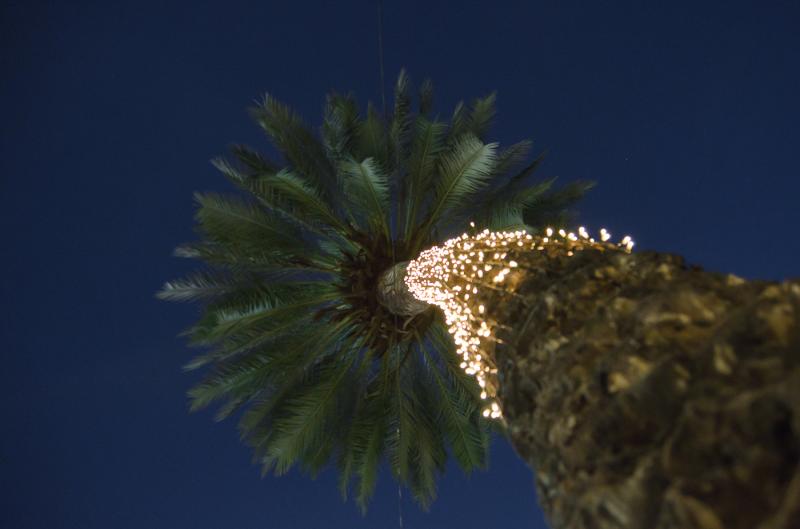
440 276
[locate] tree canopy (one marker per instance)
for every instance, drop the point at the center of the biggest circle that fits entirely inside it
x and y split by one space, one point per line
294 339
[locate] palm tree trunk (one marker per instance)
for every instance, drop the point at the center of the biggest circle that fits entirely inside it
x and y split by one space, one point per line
650 394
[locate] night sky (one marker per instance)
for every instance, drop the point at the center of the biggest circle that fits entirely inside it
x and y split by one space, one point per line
685 114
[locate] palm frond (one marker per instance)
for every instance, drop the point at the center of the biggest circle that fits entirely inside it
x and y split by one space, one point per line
370 450
459 414
268 264
426 97
367 190
401 124
427 145
290 365
197 286
340 126
256 164
459 122
481 115
237 223
264 312
510 158
552 209
239 378
402 427
289 197
518 182
227 382
371 139
363 438
429 454
298 144
351 445
300 426
252 339
500 204
305 197
504 209
462 171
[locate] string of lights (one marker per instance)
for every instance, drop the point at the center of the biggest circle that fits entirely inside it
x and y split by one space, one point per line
467 275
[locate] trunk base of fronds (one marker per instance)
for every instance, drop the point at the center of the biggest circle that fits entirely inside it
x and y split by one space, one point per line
394 294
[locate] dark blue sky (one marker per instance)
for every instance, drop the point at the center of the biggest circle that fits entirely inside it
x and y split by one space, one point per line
685 113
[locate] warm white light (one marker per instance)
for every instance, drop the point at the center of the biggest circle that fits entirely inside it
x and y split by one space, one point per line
440 276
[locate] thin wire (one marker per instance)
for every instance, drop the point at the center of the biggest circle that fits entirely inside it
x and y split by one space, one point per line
380 54
400 504
391 238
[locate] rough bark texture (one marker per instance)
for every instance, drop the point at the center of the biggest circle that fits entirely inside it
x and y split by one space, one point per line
649 394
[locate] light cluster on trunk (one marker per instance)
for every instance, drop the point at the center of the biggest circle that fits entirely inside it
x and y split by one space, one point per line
464 275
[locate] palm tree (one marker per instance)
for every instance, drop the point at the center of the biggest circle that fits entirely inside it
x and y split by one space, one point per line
311 335
646 393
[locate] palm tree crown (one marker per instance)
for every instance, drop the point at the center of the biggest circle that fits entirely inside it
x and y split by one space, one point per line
307 333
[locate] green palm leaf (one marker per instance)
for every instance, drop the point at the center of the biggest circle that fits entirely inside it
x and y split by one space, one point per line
371 139
463 171
197 286
254 161
553 209
289 197
482 115
457 411
402 430
367 190
268 264
429 453
401 123
265 311
426 97
299 146
300 427
305 197
510 158
369 445
427 145
340 126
